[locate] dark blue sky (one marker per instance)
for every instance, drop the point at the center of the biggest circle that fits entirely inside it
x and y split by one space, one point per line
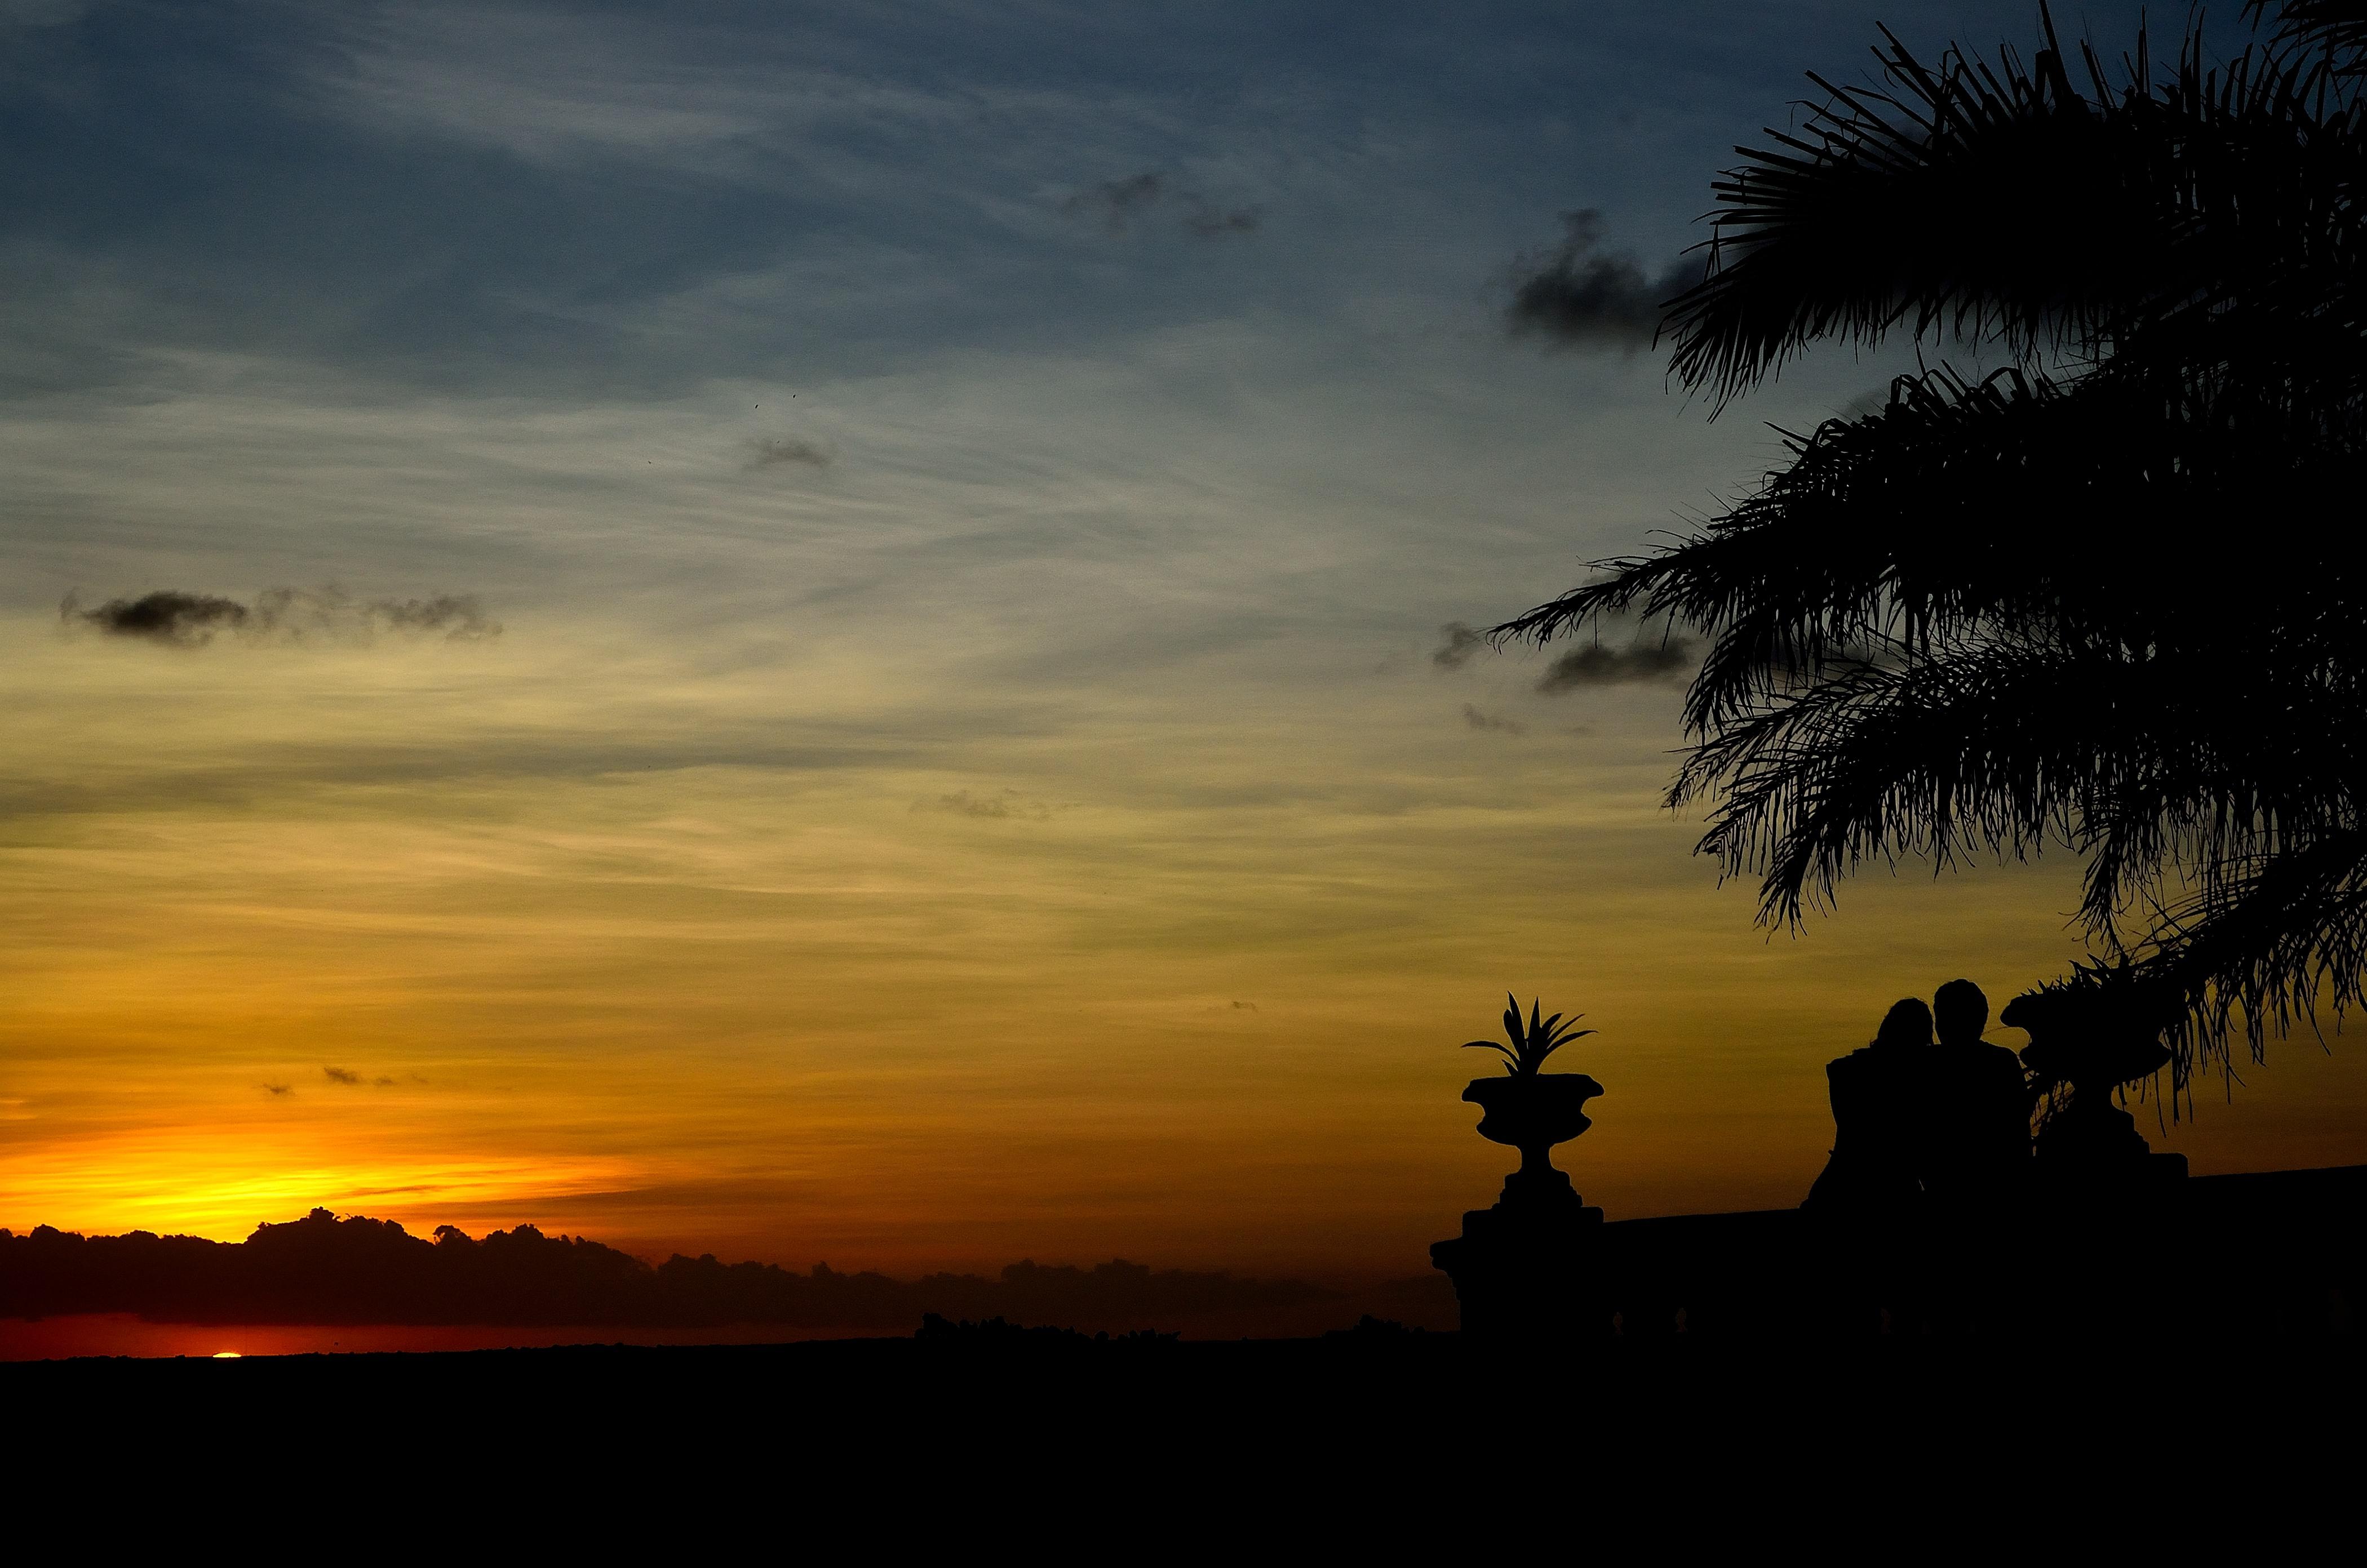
477 198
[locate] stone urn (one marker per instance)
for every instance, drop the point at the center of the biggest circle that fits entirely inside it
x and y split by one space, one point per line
1532 1112
2089 1036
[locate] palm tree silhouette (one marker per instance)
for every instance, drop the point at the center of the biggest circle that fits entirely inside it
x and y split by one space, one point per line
2107 596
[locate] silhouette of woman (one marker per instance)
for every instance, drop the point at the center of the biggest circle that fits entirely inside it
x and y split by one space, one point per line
1877 1095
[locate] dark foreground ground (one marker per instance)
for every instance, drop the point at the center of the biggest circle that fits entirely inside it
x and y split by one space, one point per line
2178 1380
1397 1443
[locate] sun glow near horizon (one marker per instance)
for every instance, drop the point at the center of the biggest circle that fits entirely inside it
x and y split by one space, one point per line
220 1182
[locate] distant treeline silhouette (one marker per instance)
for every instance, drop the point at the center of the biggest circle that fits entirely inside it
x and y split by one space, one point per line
324 1269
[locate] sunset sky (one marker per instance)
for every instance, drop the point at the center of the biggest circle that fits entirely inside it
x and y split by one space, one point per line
866 677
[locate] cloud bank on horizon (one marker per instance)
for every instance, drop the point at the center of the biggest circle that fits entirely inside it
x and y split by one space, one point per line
330 1269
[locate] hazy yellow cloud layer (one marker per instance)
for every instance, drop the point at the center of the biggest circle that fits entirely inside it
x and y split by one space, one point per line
759 963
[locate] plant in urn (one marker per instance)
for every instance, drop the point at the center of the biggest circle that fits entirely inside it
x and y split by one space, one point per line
1531 1109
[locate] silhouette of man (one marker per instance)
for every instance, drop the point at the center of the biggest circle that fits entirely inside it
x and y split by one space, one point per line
1878 1095
1976 1142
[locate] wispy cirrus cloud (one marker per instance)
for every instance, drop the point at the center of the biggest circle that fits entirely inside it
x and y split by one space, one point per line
1118 206
1006 805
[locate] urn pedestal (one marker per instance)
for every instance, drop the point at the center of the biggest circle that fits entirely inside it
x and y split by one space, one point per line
1526 1274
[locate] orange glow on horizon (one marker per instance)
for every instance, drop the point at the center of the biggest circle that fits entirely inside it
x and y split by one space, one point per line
1204 1014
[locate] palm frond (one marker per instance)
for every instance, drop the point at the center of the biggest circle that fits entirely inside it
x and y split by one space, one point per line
1886 212
1960 507
2263 946
2336 27
2185 755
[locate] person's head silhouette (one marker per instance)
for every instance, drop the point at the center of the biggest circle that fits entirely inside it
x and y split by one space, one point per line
1961 1011
1908 1022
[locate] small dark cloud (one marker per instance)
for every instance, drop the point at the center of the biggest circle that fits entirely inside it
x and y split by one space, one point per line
167 616
1245 1006
1477 720
1117 203
1456 645
278 1088
180 619
1006 805
1596 665
351 1079
1585 296
793 451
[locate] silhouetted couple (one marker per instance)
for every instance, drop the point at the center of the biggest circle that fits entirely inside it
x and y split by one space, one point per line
1912 1117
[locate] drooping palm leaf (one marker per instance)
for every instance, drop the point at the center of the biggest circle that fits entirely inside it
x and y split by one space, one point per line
2338 26
1911 207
